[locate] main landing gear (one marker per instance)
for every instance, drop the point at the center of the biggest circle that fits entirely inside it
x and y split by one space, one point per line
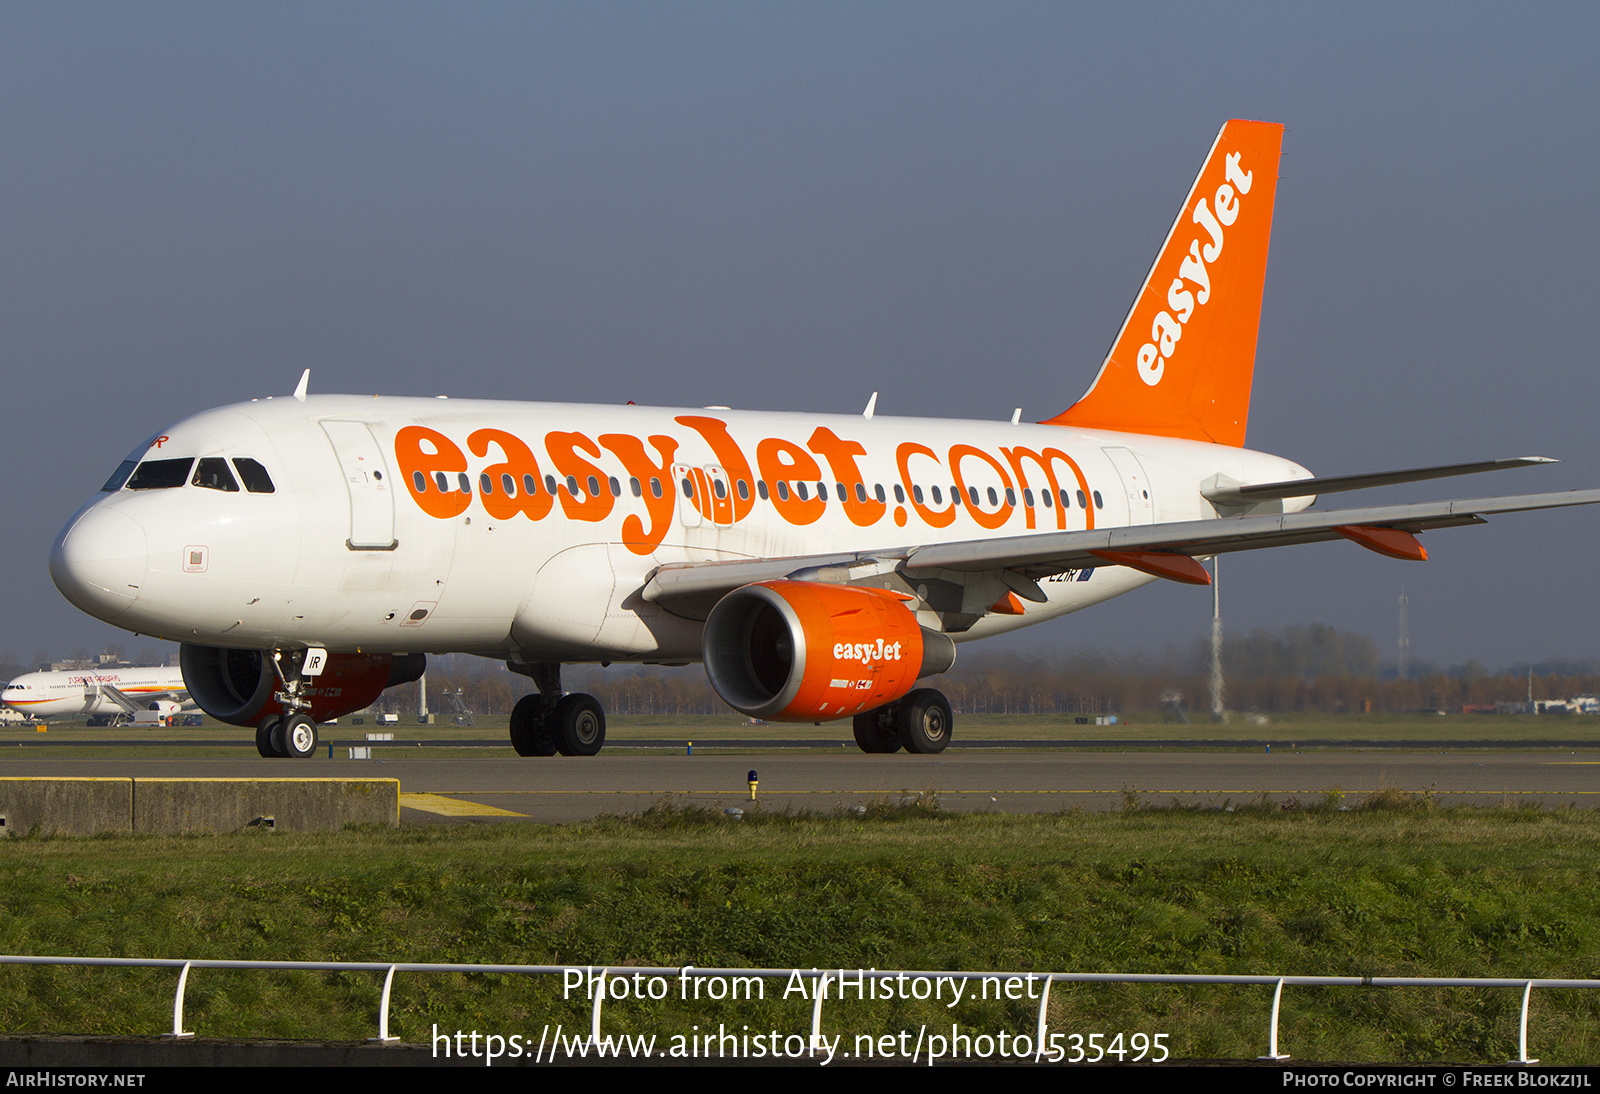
294 737
548 722
291 734
921 722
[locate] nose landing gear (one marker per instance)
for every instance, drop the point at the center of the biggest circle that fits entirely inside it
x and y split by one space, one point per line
293 734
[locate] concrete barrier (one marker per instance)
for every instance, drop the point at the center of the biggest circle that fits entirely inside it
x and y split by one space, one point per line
66 807
168 806
88 807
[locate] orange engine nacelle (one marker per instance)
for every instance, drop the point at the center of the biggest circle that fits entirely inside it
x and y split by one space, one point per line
238 686
800 651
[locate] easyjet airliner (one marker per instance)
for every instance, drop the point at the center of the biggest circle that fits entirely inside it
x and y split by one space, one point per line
310 551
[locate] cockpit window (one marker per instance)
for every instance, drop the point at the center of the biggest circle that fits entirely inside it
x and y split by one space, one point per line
256 479
160 474
213 474
119 476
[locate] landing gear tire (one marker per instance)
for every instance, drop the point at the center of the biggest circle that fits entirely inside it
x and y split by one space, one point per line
876 732
925 721
530 729
264 733
579 725
296 737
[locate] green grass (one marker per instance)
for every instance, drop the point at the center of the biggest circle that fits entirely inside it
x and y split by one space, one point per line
1395 887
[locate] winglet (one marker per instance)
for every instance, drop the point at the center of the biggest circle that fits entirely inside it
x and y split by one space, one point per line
1182 364
300 388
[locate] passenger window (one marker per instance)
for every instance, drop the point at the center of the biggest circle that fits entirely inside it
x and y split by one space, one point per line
800 488
861 492
878 491
550 485
466 483
1098 504
688 487
972 495
916 493
744 490
838 486
1027 496
938 497
1011 497
719 488
636 487
783 490
485 484
530 485
119 476
1083 502
1044 496
900 494
508 484
420 481
160 474
761 488
994 499
213 474
572 485
655 487
594 487
616 487
443 482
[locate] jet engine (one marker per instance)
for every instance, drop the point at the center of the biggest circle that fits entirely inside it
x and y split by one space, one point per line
800 651
238 686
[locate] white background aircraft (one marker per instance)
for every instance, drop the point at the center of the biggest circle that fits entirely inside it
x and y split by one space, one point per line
89 693
308 552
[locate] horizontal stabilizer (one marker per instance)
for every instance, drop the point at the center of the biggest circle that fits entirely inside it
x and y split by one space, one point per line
1304 488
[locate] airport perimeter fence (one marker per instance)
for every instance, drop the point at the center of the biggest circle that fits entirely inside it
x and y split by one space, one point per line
595 981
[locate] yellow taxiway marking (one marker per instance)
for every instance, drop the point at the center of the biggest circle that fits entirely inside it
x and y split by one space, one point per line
953 793
451 807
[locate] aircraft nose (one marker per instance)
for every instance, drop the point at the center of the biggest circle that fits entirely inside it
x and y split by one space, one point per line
99 562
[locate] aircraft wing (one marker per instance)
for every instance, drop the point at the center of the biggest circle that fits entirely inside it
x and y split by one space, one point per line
1051 553
1166 550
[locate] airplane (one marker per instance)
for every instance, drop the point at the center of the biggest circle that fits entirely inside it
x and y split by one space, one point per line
310 551
118 694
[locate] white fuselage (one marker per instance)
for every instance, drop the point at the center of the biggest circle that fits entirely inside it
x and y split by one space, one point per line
83 692
357 547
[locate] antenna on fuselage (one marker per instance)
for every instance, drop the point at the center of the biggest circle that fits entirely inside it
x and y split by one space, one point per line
872 404
300 388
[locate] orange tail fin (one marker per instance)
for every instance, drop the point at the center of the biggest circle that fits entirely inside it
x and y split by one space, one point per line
1181 365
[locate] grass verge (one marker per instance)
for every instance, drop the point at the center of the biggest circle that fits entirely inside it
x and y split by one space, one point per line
1392 887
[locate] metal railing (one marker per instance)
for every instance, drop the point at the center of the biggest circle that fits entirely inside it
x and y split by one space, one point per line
596 977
